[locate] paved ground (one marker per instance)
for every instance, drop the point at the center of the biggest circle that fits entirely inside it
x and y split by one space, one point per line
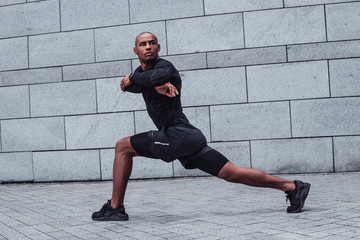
183 208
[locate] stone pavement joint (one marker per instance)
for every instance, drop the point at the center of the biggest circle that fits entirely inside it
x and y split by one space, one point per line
202 208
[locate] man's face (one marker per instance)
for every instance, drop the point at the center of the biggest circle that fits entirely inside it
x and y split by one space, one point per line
147 47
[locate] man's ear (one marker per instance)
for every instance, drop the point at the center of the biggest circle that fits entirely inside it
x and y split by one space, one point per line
159 47
135 51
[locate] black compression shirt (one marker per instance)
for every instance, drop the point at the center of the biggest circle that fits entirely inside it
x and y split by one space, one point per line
164 111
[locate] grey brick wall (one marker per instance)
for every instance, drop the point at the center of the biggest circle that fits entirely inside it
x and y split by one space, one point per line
273 84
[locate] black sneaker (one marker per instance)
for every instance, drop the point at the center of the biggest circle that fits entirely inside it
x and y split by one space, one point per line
107 213
297 196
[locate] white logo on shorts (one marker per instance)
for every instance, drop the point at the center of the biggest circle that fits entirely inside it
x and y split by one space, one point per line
160 143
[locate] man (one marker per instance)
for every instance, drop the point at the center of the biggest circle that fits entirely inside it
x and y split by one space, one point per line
160 84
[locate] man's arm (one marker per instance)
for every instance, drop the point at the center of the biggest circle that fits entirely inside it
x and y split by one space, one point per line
166 89
133 88
158 76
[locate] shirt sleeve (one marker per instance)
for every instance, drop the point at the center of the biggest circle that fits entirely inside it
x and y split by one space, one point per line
159 75
134 88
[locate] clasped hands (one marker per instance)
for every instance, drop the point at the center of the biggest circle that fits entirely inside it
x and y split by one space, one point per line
166 89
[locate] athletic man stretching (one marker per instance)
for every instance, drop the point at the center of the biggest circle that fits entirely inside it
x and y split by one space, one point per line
160 84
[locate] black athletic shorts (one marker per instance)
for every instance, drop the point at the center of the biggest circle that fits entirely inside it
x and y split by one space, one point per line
185 143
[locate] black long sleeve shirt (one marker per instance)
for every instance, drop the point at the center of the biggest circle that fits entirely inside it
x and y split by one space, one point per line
164 111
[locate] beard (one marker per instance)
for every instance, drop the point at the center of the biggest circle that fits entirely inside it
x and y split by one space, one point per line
150 60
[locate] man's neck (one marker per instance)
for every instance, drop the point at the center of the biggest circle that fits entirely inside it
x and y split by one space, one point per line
148 65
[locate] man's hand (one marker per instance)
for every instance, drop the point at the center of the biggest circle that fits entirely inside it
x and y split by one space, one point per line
167 89
125 82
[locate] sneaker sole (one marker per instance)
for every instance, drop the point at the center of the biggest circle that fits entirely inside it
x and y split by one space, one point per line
303 196
111 218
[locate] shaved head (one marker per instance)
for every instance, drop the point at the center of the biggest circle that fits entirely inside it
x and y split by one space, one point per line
136 39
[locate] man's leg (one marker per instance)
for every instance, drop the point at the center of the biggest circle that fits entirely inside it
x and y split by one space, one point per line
253 177
124 153
216 164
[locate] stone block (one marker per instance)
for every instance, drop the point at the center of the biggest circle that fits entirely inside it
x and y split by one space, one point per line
142 167
98 131
33 134
288 81
325 117
31 76
199 117
16 167
342 21
284 26
293 155
153 10
61 49
14 102
347 153
28 19
13 54
181 62
344 77
212 33
188 61
237 152
66 165
206 87
110 98
227 6
143 122
114 43
329 50
63 98
82 14
10 2
97 70
245 57
250 121
293 3
151 168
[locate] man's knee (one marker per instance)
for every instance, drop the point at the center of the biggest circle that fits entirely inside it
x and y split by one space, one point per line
229 172
124 146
